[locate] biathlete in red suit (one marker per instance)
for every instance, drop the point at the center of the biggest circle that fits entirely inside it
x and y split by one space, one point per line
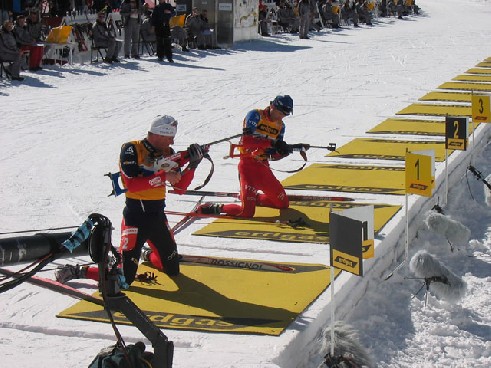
262 141
145 168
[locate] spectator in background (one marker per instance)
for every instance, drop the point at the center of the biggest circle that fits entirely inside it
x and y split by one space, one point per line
199 29
363 12
147 31
263 21
287 19
9 51
331 13
105 36
305 13
160 21
26 42
194 25
131 15
348 13
206 30
34 26
399 8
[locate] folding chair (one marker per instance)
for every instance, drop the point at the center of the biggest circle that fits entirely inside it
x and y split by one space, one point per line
3 70
25 55
146 46
99 50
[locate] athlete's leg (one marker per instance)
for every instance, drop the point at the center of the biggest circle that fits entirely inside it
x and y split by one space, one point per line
248 172
164 249
273 194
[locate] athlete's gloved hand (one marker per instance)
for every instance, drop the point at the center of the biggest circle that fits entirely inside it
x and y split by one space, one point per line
247 131
283 148
195 154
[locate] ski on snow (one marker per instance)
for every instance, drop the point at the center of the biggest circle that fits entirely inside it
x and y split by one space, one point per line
292 197
56 286
299 222
188 218
237 263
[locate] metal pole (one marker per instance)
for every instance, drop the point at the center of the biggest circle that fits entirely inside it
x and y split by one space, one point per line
446 177
407 229
333 307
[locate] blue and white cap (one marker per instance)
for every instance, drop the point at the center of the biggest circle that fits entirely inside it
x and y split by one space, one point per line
164 125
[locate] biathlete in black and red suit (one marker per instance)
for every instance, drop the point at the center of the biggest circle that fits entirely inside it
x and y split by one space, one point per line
145 167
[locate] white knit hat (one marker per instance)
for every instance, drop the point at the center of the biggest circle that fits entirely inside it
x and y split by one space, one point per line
164 125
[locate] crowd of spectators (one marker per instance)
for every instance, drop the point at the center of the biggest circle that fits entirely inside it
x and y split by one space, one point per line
22 35
304 16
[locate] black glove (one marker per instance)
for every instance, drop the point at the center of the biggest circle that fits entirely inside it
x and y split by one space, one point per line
283 148
195 154
247 131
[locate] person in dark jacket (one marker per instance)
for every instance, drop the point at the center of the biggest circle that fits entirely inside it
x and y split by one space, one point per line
9 50
34 26
160 21
105 36
27 43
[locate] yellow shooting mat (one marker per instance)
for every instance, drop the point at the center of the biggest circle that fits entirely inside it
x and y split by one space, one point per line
414 127
219 298
479 71
349 178
315 215
447 96
485 87
384 149
473 78
485 64
410 126
437 110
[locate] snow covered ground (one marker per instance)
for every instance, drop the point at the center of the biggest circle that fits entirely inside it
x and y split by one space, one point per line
62 129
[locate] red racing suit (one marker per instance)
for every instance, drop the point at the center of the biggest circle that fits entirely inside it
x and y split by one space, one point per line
257 149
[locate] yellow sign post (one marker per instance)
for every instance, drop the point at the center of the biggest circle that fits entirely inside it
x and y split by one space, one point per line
419 180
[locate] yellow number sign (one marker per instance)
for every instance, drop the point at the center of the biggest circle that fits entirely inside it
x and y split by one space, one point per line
456 133
418 174
481 110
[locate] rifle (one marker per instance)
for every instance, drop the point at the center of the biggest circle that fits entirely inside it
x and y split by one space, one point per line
114 177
